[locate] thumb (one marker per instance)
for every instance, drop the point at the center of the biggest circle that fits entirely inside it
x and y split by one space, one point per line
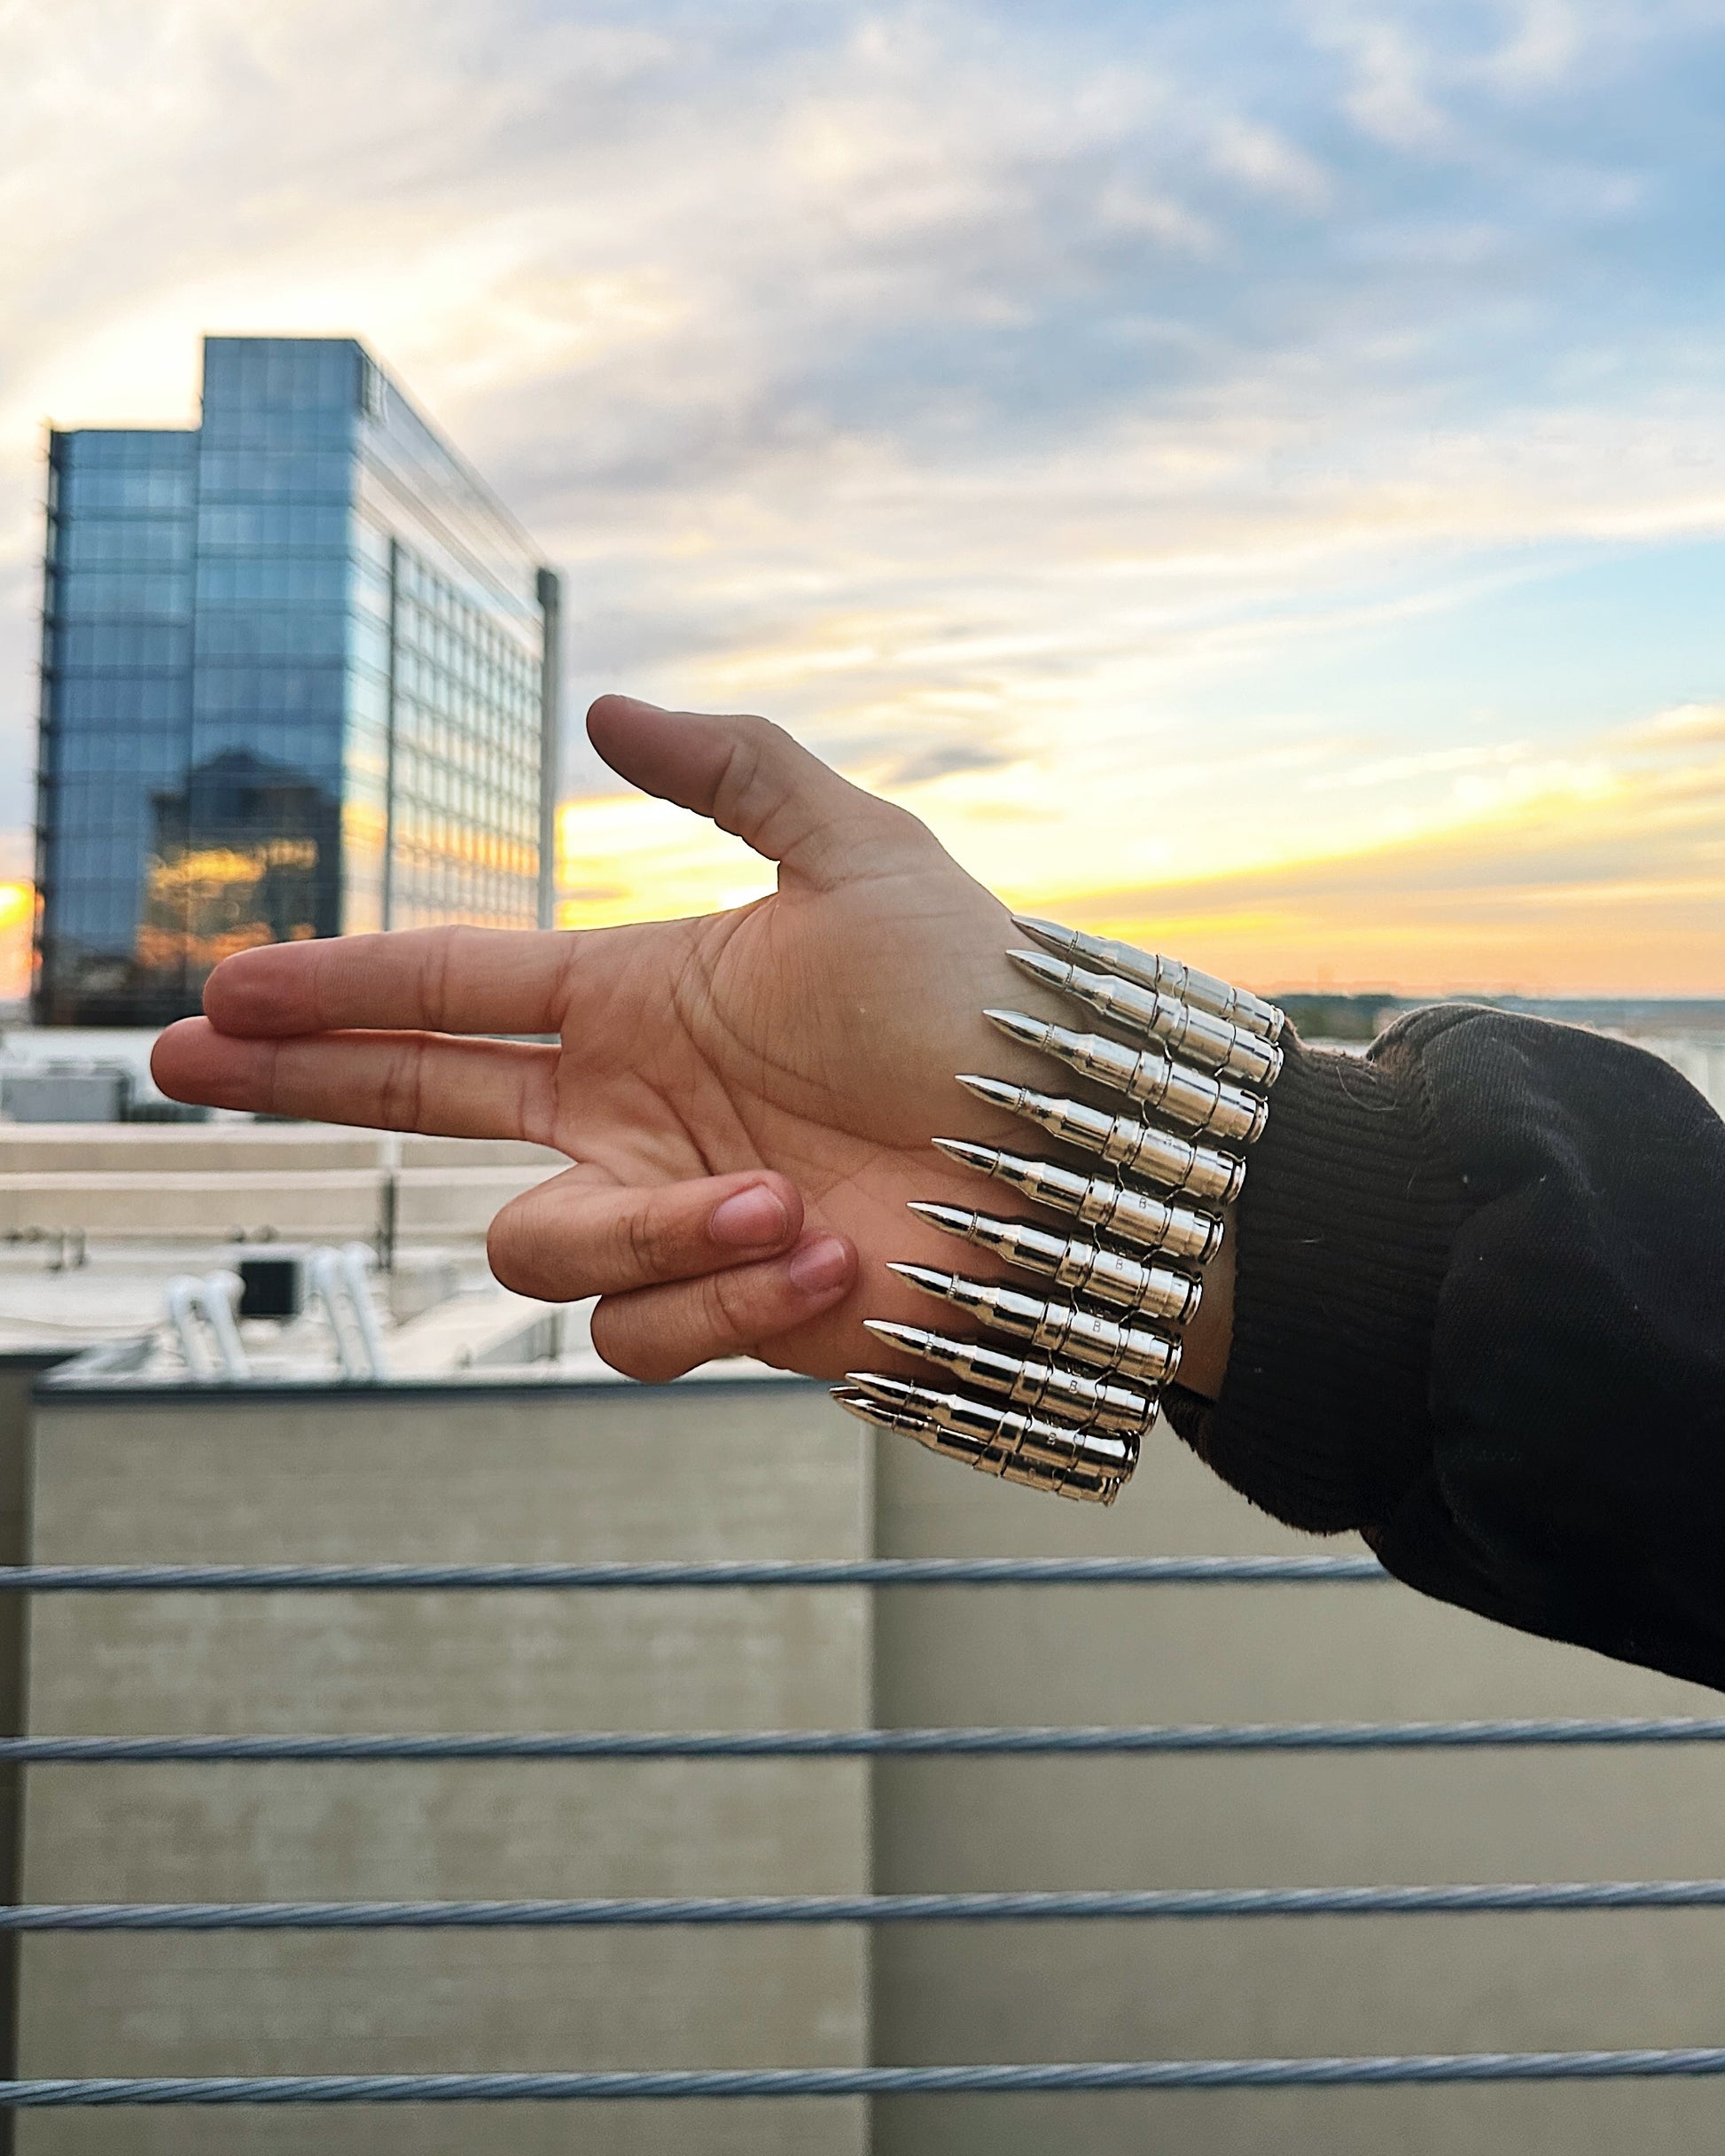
752 779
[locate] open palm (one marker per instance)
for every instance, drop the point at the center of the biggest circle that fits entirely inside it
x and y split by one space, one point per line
748 1098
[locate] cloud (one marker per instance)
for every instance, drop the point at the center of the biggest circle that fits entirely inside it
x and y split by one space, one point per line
941 760
1043 411
1612 871
1266 160
1388 95
1587 871
1685 724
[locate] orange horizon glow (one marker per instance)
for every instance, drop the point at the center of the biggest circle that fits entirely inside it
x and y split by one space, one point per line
18 901
1599 873
1613 887
1295 948
1211 481
1333 926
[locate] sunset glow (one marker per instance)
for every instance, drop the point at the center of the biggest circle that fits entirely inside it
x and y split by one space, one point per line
17 908
1252 478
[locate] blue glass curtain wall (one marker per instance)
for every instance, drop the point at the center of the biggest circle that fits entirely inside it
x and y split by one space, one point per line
291 685
457 581
116 704
255 853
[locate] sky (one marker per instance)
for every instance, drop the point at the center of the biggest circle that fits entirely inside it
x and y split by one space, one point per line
1250 474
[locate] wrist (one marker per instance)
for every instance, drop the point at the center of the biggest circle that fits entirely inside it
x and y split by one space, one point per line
1129 1277
1341 1240
1209 1336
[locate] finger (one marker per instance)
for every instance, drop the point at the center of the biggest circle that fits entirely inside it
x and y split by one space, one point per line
754 780
571 1235
658 1332
450 980
386 1081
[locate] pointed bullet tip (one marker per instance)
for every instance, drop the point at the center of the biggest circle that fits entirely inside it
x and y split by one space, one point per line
973 1156
875 1385
885 1329
864 1410
1041 966
948 1217
1031 1030
1033 925
996 1091
922 1277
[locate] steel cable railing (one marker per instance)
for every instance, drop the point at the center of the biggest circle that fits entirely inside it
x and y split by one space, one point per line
787 1572
881 1743
1184 1903
665 2084
868 1909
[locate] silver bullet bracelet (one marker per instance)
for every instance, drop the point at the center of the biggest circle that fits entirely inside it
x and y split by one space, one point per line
1067 1411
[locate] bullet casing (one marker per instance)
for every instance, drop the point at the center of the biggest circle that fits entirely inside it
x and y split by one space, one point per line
1087 1485
1160 1156
1134 1216
1150 969
992 1427
1191 1098
873 1405
1087 1269
1195 1036
1068 1416
875 1411
1045 1388
1101 1342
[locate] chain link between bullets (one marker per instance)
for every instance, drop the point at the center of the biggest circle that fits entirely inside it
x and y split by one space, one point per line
1063 1408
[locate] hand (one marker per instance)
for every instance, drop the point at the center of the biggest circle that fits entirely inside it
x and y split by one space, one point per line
748 1098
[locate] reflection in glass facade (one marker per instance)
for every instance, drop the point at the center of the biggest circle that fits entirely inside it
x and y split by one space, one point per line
299 679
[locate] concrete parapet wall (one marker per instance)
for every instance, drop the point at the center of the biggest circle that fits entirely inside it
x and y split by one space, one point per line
1287 1987
53 1149
315 1201
456 1201
200 1196
248 1148
713 1469
420 1151
706 1470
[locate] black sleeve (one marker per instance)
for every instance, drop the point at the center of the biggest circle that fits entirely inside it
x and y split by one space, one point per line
1479 1314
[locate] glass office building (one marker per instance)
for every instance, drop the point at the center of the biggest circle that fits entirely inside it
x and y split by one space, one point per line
299 679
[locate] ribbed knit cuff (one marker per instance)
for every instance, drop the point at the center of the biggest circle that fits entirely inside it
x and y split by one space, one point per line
1343 1233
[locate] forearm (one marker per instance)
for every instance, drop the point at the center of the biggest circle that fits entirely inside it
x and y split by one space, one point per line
1320 1409
1479 1314
1209 1338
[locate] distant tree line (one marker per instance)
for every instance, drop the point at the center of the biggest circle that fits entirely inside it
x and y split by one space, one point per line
1339 1018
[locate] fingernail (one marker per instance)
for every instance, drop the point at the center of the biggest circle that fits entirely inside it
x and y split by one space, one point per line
818 1267
755 1217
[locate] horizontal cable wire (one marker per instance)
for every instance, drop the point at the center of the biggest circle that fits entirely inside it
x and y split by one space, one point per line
870 2081
872 1744
1186 1903
824 1571
814 1910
